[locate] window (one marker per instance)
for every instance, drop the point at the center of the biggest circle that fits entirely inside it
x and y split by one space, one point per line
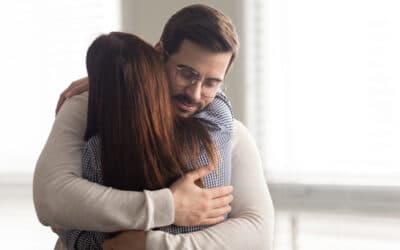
324 107
43 49
326 90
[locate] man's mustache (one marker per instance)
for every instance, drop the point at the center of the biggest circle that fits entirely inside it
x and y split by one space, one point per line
185 99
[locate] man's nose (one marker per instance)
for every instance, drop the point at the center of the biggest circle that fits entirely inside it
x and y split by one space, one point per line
194 91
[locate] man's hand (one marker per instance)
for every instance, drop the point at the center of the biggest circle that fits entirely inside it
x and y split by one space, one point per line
199 206
77 87
128 240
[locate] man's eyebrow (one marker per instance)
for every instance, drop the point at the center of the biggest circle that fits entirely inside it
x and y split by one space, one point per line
198 74
214 79
188 67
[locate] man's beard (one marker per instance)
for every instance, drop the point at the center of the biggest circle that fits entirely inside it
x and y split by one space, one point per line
182 98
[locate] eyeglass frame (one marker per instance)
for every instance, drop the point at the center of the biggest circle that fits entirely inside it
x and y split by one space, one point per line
194 78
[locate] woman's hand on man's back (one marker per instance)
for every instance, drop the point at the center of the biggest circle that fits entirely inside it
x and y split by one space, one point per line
75 88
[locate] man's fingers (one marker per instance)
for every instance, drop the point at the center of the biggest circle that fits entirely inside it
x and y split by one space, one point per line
220 211
222 201
212 221
198 173
220 191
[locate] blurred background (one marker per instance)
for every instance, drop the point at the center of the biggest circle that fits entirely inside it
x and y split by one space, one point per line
317 83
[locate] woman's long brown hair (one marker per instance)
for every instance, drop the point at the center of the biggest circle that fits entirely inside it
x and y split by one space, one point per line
130 110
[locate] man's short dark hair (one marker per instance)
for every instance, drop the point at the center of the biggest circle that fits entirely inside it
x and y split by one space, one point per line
202 25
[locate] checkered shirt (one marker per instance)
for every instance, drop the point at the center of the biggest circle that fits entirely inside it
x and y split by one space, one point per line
218 119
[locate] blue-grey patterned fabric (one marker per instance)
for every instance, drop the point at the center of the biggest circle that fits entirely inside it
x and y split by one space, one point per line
218 119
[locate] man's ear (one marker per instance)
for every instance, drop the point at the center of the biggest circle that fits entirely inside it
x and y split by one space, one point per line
159 47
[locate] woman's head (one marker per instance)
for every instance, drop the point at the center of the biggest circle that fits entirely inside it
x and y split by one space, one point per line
130 110
126 74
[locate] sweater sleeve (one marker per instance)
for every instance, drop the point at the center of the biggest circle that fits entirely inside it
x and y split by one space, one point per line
63 199
251 221
91 170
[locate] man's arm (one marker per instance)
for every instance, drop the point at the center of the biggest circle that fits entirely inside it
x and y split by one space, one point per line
64 200
251 221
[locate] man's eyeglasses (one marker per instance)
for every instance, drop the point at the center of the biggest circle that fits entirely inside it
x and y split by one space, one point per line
186 76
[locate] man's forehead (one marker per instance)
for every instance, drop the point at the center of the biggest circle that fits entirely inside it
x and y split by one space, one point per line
202 60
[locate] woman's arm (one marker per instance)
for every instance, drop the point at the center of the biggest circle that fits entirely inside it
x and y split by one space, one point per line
251 221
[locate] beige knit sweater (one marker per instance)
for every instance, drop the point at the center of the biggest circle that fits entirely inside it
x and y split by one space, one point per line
64 200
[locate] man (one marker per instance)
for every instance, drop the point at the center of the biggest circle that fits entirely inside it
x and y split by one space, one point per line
203 41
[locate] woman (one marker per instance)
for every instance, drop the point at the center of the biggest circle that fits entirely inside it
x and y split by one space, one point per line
134 140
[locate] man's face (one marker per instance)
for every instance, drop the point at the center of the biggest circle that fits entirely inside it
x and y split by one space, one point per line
195 74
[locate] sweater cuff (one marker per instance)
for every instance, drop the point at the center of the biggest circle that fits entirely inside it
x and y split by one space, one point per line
160 205
156 240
